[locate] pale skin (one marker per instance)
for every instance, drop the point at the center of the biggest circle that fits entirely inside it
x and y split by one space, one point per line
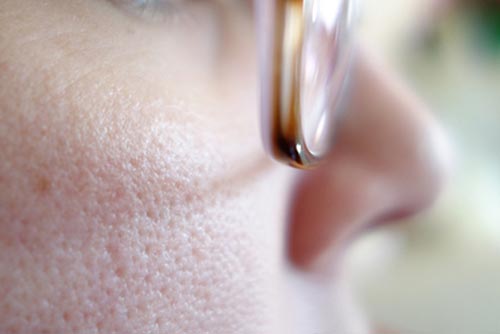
135 195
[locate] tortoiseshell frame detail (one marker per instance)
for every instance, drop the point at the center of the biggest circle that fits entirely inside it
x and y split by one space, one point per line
281 37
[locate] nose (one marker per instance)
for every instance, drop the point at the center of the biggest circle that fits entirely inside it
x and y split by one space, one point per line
389 161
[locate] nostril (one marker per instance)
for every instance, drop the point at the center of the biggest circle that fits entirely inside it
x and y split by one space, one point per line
348 195
326 214
328 207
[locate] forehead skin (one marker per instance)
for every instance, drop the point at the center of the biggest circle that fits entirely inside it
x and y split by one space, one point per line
130 170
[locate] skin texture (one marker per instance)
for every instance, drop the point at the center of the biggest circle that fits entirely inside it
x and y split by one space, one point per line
135 196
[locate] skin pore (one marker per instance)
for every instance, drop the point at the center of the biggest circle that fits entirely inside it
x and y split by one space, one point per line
135 196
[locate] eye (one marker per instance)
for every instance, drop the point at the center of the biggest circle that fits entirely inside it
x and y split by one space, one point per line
150 9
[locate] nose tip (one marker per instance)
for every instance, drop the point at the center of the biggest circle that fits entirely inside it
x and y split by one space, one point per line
390 160
428 167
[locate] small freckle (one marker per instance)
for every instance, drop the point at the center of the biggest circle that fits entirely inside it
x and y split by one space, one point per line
164 291
134 162
150 214
120 272
198 254
42 185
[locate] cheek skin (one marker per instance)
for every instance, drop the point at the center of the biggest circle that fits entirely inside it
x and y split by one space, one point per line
109 219
111 226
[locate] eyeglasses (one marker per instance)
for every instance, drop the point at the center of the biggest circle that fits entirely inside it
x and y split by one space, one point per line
305 54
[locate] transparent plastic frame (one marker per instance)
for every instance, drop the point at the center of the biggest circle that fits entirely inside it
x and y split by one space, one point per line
305 52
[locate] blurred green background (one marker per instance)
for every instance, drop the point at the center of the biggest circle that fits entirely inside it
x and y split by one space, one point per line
441 275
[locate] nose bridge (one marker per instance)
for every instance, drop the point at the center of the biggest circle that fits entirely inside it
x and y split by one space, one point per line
396 136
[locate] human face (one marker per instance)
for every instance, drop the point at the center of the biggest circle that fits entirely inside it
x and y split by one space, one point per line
135 196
